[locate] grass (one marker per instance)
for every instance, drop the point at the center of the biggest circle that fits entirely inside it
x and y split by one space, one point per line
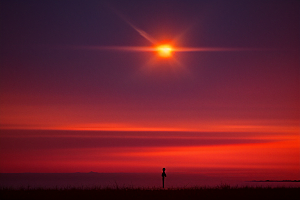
202 193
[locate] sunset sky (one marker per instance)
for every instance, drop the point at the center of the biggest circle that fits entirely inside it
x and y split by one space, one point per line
82 87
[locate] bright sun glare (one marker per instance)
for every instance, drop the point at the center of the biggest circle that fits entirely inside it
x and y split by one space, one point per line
164 50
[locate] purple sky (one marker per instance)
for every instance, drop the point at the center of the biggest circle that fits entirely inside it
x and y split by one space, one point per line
62 69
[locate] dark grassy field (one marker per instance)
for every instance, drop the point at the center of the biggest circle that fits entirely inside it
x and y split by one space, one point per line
222 192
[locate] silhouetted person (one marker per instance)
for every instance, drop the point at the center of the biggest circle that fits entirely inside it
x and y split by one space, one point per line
163 177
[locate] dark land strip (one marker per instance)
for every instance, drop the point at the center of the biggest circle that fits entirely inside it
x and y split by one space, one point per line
222 192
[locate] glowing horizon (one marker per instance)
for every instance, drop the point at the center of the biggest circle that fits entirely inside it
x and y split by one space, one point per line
124 152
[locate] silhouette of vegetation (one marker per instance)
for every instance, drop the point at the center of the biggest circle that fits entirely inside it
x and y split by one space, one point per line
203 193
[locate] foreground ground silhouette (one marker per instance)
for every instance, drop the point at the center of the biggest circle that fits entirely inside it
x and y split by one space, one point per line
222 192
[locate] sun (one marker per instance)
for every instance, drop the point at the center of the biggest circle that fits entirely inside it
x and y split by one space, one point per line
164 50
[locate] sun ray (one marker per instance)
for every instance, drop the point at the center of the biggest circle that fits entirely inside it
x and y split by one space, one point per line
163 48
140 31
201 49
118 48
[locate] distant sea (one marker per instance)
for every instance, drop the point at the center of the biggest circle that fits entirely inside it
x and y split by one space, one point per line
121 180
